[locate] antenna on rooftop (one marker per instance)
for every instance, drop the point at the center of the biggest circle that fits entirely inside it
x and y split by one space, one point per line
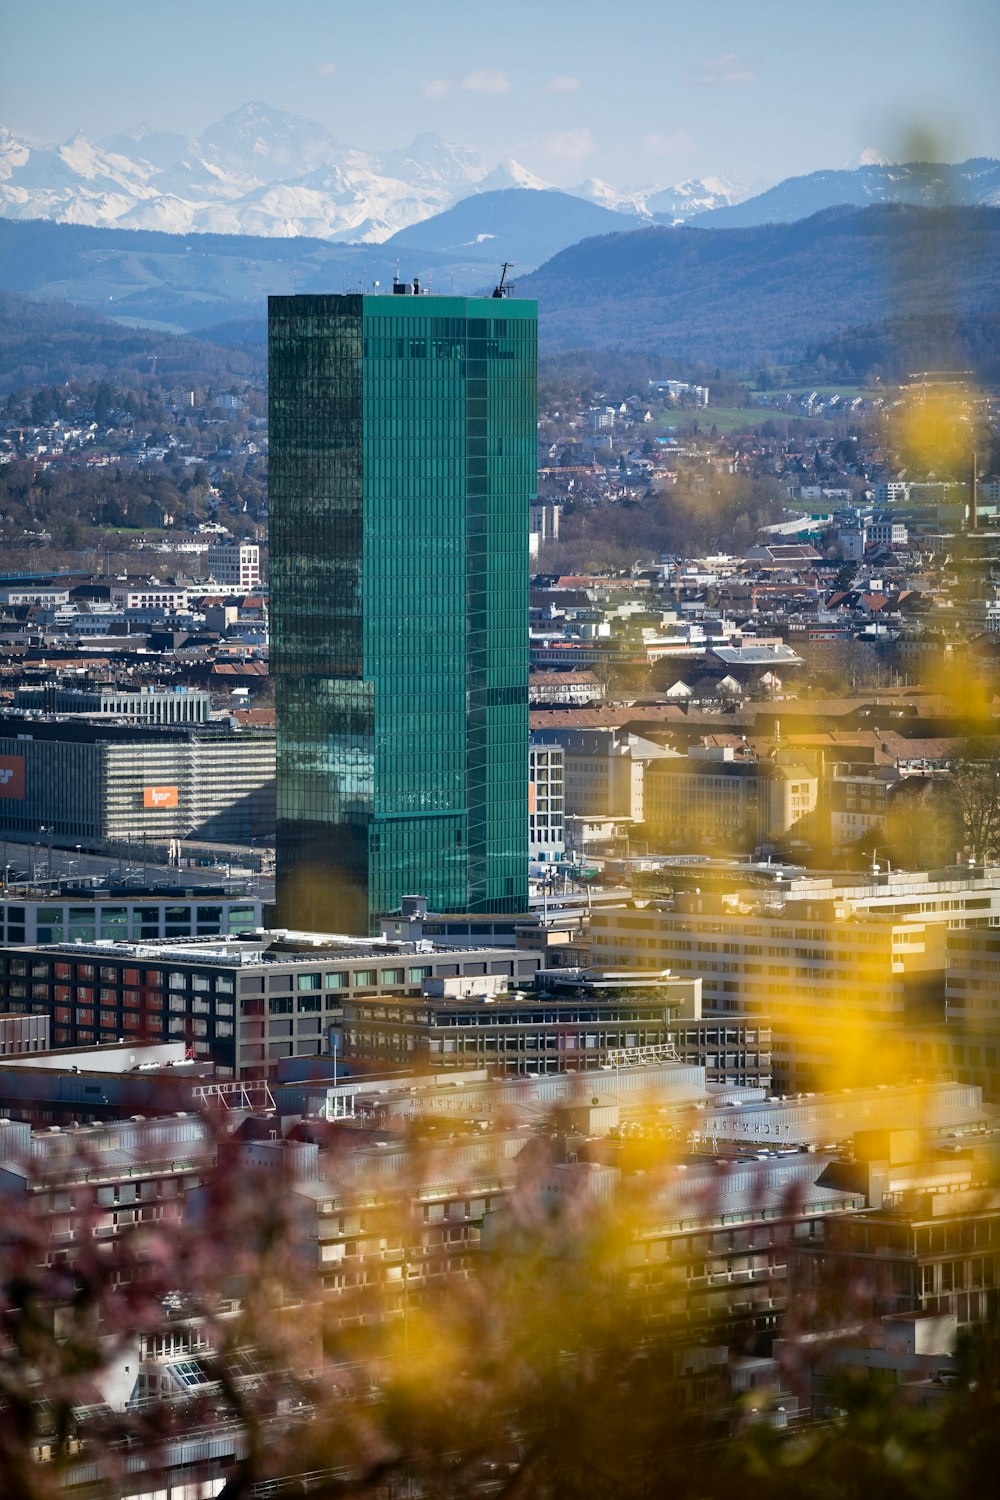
503 287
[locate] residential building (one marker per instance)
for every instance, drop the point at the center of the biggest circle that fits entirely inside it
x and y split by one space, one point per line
402 470
143 1168
858 799
886 531
569 688
149 595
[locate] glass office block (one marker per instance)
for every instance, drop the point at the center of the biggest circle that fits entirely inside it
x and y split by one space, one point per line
402 468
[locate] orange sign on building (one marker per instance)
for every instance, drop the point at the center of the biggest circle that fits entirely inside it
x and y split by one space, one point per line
159 796
12 777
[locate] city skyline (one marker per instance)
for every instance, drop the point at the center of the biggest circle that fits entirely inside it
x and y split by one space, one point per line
762 94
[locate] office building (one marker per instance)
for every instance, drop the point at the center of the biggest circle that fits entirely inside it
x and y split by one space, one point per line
153 704
709 797
928 1240
840 967
25 1034
477 1022
546 829
239 1004
93 782
605 770
458 1024
234 564
72 911
402 470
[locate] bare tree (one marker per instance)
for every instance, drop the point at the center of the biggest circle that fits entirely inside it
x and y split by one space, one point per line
976 774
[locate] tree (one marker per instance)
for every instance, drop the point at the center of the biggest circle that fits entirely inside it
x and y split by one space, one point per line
976 774
553 1368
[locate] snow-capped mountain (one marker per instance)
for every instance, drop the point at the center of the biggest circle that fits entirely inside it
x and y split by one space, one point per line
696 195
870 157
664 205
263 171
927 184
256 171
606 196
510 174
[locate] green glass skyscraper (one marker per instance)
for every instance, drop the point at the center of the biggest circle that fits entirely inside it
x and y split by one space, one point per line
402 467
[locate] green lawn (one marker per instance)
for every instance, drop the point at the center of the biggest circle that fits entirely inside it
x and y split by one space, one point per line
725 418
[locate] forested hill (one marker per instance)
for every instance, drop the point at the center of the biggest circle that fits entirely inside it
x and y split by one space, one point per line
893 286
49 343
738 296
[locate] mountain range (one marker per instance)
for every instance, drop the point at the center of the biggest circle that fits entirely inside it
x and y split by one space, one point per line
737 296
263 172
731 297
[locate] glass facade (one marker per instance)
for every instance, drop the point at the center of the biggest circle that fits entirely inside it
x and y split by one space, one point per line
402 468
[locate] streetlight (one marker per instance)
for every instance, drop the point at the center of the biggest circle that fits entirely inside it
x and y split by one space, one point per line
42 828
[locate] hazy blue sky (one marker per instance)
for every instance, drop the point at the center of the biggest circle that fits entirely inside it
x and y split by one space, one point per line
633 91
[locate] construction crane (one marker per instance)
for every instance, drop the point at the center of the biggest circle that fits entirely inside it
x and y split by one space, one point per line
502 288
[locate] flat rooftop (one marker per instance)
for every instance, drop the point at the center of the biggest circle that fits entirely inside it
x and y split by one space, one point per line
264 948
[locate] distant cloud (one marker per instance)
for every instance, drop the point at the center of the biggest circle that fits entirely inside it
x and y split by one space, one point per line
729 68
569 145
563 84
676 143
325 70
436 88
486 81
